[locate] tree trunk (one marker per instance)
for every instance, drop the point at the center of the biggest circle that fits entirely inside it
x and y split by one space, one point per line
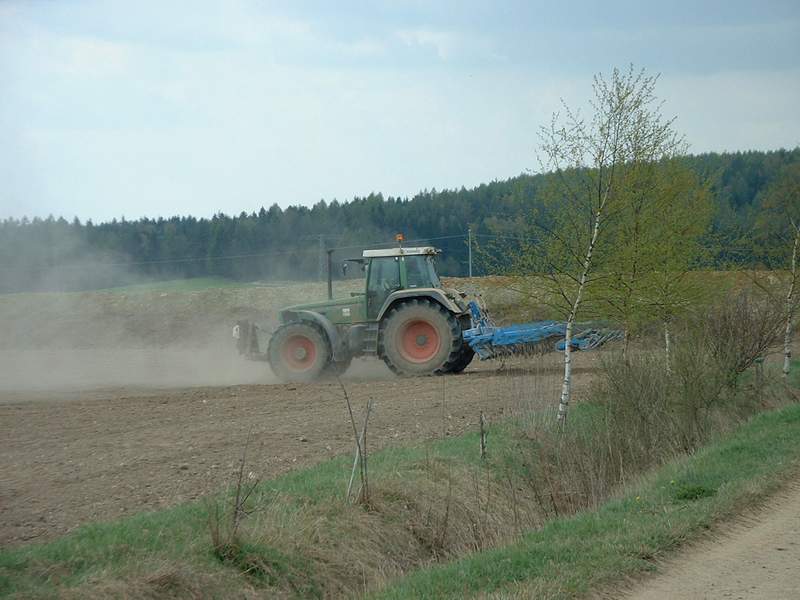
563 403
787 336
667 341
566 386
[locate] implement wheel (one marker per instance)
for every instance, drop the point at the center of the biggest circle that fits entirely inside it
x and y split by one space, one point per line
298 352
419 337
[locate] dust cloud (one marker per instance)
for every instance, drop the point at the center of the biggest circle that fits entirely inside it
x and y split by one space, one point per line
88 369
82 368
150 338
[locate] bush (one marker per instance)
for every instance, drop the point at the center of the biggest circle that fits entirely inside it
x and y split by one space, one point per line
642 414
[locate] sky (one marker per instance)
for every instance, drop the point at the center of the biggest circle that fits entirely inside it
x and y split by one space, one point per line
117 108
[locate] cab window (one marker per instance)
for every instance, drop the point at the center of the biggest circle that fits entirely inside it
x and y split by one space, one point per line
384 274
383 279
420 272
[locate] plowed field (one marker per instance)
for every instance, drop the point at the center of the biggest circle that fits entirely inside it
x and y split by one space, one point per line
72 457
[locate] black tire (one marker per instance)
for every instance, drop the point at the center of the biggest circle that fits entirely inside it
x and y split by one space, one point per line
298 352
462 362
338 367
419 337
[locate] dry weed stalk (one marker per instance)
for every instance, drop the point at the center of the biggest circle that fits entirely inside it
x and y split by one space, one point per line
225 538
360 459
483 436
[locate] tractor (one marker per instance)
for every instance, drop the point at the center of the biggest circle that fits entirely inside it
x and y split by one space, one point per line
404 316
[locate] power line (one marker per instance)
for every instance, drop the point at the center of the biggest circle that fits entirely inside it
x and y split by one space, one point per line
306 251
506 237
428 239
298 252
194 259
172 260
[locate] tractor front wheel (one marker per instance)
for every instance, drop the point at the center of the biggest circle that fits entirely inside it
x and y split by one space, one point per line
298 352
420 337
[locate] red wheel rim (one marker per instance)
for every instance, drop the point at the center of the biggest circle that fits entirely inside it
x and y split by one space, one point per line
419 341
299 353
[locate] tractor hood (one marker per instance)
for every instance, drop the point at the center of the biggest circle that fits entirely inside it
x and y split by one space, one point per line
321 305
341 311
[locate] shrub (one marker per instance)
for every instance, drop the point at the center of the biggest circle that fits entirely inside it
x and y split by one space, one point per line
641 414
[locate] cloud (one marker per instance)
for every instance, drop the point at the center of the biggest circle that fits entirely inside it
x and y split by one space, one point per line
87 57
445 43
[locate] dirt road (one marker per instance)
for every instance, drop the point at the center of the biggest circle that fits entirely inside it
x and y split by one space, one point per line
71 457
759 559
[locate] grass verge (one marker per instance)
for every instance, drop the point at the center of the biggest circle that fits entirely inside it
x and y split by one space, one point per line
573 556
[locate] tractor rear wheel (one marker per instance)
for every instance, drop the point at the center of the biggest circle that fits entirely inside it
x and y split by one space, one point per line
298 352
419 337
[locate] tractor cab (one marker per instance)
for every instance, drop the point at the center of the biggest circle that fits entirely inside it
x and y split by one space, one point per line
395 269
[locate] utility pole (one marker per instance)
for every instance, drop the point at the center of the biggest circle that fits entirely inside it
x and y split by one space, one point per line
469 249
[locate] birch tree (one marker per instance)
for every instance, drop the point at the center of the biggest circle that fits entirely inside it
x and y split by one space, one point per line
671 286
593 159
628 258
656 246
779 226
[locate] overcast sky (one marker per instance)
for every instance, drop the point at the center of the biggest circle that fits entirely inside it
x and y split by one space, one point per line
159 108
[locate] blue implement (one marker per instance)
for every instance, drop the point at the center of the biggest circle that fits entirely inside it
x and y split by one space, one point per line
490 341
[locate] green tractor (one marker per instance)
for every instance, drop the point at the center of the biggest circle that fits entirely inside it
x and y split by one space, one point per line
403 317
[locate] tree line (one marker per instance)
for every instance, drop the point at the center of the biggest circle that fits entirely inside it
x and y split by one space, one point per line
273 243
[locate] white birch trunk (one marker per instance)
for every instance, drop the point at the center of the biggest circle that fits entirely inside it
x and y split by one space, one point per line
566 386
787 337
667 342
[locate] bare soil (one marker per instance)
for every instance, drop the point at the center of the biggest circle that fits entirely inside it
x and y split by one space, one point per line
70 456
117 402
758 557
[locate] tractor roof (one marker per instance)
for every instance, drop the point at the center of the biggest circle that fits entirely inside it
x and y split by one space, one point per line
421 250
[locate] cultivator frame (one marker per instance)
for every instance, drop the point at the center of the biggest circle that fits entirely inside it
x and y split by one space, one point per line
490 341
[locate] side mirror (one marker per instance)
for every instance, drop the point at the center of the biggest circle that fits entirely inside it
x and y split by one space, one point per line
344 269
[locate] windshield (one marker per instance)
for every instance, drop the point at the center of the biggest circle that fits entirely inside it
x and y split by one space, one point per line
421 272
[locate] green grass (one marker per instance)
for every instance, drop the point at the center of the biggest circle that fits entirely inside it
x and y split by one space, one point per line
794 374
572 556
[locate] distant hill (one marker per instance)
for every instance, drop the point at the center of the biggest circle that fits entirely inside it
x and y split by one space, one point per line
55 254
